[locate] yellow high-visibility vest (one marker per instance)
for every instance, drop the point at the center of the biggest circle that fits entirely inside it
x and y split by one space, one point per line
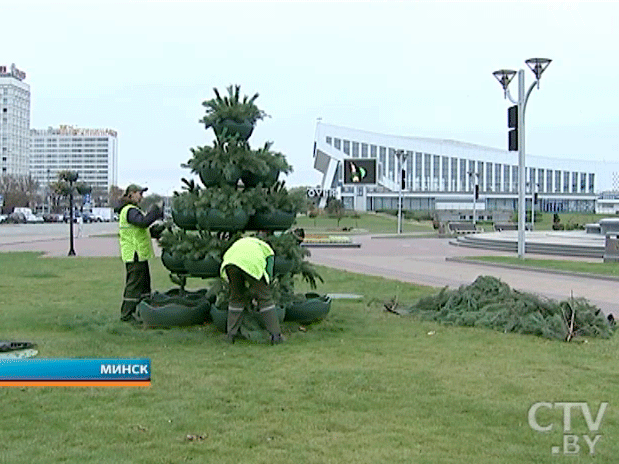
133 239
250 254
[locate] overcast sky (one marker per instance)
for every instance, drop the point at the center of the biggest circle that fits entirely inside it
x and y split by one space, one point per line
421 69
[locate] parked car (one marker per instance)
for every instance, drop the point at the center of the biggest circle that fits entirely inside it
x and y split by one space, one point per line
34 219
52 217
3 218
88 217
16 218
31 218
66 216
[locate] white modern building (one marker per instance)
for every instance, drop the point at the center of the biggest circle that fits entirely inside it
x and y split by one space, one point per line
92 153
441 175
14 121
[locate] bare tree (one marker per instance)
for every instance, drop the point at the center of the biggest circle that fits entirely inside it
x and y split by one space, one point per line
114 195
150 200
18 191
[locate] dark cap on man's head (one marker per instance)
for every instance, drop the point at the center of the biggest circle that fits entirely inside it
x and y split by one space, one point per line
135 188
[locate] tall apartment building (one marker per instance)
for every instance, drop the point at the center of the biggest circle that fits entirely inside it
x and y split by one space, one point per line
92 153
14 122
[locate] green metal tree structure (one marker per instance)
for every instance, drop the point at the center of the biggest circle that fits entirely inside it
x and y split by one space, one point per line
239 193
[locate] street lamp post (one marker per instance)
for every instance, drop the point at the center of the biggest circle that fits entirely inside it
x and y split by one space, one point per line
47 195
69 178
475 184
71 247
534 189
401 156
505 76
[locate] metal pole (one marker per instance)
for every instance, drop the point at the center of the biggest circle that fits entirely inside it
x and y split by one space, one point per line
399 180
474 199
532 207
521 165
71 249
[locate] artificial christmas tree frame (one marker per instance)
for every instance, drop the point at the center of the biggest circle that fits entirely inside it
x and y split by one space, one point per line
240 194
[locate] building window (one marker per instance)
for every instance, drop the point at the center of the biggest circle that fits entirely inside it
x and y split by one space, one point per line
373 151
583 182
497 177
382 161
548 180
346 148
364 150
463 175
557 181
574 182
514 178
426 171
355 149
488 185
445 173
436 173
454 175
337 143
329 140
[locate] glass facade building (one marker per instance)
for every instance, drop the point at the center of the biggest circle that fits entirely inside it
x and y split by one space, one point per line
442 174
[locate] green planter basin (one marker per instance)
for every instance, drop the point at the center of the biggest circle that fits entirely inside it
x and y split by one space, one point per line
213 219
251 319
273 220
308 308
188 296
282 265
243 130
184 219
211 177
173 312
252 180
205 268
175 265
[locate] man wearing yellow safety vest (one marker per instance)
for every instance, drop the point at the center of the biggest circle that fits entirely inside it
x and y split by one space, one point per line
249 262
136 248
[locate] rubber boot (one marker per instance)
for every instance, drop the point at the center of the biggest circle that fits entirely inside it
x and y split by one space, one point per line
271 322
235 320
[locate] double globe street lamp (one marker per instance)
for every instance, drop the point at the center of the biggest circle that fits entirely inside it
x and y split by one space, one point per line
516 124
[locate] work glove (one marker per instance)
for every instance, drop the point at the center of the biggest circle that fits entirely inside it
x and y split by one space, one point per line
156 230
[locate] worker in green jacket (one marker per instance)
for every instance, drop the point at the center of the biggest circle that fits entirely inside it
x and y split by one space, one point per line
136 248
248 263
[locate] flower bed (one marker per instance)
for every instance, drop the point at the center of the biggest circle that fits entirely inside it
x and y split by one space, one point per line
315 238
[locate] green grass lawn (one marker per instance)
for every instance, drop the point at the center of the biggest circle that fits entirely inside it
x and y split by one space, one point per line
367 222
586 267
362 386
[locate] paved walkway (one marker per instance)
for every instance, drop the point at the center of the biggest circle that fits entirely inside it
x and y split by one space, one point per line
425 261
418 260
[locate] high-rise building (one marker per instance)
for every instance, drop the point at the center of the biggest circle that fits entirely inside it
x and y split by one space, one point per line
92 153
14 122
